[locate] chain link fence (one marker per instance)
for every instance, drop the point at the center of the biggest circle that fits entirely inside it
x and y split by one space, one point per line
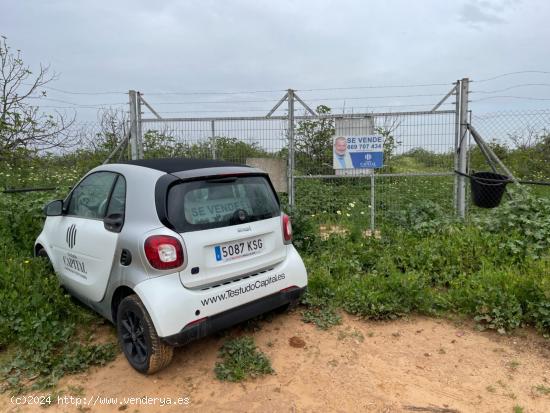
521 139
418 157
421 153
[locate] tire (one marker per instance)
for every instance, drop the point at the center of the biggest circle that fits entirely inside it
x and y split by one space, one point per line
137 336
41 253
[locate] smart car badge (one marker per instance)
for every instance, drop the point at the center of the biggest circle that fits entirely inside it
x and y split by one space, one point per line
70 238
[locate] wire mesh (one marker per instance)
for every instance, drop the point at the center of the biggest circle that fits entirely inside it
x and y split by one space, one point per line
521 139
418 156
230 139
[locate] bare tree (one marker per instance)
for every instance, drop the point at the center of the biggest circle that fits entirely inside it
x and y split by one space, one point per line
387 128
109 130
528 138
22 124
113 124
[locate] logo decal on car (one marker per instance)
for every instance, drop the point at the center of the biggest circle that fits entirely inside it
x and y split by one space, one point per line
70 238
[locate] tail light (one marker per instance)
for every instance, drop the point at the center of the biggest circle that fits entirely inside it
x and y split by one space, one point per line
163 252
287 229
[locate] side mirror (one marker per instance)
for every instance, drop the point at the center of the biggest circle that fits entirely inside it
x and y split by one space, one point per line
54 208
113 222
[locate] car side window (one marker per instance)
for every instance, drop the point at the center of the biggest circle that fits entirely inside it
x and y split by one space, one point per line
117 203
89 199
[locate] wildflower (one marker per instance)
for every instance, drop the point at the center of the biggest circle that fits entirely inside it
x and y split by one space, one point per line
348 215
26 261
362 212
312 215
339 212
352 205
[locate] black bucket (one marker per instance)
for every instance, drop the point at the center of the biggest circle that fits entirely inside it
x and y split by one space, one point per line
488 188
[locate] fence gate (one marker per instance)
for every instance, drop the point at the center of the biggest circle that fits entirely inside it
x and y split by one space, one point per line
421 151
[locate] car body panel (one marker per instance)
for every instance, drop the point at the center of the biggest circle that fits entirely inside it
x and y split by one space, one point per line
202 257
83 252
172 307
171 296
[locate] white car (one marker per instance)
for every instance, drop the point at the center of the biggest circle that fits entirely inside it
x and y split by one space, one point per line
171 250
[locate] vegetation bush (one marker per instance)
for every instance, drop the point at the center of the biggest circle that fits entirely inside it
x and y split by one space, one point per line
240 360
495 268
43 333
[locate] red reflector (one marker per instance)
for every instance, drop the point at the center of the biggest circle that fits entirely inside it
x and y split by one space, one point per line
194 323
287 229
292 287
163 252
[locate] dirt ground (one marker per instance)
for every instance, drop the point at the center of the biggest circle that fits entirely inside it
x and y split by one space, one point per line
418 364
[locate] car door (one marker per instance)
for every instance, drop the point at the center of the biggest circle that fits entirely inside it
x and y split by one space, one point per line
84 249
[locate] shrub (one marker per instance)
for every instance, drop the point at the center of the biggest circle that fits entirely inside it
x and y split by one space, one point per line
41 327
526 216
240 360
388 297
434 265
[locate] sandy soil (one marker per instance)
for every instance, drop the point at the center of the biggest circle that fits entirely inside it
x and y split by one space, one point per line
420 364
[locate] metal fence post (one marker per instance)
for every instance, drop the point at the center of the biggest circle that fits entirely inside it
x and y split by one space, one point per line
138 126
213 139
457 133
372 203
134 145
290 100
462 148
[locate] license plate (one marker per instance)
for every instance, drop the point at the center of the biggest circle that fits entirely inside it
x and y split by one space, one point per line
235 250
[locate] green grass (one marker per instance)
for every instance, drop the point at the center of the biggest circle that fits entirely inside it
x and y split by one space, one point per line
322 317
43 334
408 163
542 389
494 267
240 359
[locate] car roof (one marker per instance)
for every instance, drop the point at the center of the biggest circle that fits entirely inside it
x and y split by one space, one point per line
170 165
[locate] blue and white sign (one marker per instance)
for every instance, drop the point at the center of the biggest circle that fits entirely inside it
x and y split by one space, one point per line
363 151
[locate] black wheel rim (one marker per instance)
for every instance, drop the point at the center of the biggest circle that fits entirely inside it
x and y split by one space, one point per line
133 337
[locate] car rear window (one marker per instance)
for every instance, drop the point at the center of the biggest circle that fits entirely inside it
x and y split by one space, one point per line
221 202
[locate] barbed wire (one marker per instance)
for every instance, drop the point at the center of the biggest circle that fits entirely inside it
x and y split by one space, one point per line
77 107
511 74
70 92
510 97
376 87
510 88
309 99
297 110
240 92
75 104
511 113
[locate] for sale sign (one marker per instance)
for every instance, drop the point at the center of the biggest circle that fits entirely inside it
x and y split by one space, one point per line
363 151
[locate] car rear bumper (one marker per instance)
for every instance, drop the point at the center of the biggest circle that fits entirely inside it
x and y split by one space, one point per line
209 325
173 308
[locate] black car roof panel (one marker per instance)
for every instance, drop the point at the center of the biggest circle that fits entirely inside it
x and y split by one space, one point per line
170 165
